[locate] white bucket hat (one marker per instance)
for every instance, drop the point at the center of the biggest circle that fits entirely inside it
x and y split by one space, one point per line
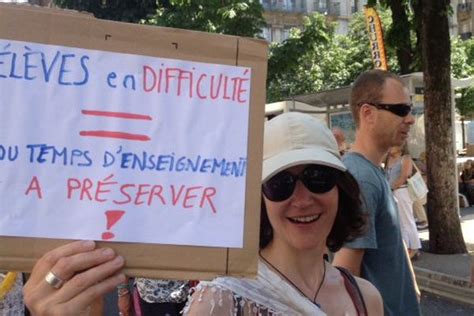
294 138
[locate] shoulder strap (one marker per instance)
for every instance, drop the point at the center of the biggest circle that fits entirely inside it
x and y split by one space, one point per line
354 291
415 167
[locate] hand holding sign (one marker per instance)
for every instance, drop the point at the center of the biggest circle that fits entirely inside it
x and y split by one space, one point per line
88 274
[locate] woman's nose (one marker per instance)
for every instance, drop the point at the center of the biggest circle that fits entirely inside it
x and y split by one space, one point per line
301 195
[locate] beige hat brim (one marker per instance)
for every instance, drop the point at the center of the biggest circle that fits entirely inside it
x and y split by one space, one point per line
282 161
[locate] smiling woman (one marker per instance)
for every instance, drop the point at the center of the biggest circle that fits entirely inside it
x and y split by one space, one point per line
310 204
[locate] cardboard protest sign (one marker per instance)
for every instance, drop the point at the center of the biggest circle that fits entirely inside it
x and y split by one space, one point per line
144 137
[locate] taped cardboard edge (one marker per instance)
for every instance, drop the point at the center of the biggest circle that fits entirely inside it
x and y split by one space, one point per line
243 262
81 31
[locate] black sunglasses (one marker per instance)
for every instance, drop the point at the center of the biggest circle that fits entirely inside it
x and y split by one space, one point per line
399 109
316 178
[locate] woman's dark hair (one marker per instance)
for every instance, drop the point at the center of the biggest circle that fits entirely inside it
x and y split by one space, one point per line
350 221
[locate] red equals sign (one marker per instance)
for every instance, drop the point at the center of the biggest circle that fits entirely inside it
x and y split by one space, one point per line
116 134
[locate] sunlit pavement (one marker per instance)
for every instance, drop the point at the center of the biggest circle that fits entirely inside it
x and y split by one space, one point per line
434 305
467 224
446 278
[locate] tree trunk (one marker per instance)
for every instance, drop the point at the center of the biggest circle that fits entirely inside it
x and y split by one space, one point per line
445 228
400 35
463 133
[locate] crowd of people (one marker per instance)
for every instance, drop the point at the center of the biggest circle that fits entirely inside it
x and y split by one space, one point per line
466 182
318 198
399 167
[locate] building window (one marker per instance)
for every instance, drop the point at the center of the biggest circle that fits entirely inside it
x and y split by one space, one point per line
362 3
335 8
321 6
465 36
267 33
465 7
283 5
286 33
276 35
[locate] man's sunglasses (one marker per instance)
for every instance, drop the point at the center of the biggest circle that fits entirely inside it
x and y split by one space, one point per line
399 109
316 178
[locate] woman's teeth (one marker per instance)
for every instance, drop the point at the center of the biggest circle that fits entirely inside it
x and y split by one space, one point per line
305 219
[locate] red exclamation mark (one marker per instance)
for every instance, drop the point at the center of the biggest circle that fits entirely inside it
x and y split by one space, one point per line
113 216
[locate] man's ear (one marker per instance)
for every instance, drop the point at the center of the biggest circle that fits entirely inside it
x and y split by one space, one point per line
367 114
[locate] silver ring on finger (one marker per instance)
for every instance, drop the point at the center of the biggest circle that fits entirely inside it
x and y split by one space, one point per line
53 280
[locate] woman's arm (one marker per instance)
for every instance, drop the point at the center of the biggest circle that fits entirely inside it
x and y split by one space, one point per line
405 173
88 274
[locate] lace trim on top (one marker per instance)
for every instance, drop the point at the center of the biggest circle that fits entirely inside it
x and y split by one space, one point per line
241 305
268 294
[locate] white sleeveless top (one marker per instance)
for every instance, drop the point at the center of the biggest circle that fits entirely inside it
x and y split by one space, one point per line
268 294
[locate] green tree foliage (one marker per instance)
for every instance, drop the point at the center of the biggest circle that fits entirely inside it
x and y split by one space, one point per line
234 17
469 50
320 59
465 102
462 51
359 54
465 108
323 60
242 18
295 65
462 58
403 34
117 10
462 66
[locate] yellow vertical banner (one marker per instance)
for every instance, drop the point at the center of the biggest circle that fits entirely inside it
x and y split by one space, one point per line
374 29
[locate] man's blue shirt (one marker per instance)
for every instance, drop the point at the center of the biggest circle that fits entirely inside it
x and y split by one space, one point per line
385 263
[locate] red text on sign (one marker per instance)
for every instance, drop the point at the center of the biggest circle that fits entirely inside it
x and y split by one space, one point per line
186 197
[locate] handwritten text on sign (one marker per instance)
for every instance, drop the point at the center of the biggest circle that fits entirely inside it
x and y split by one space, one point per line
101 145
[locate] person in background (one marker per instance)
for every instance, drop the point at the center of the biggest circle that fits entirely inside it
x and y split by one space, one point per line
399 168
381 108
11 296
467 177
419 210
125 299
143 297
462 193
309 202
472 269
340 139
